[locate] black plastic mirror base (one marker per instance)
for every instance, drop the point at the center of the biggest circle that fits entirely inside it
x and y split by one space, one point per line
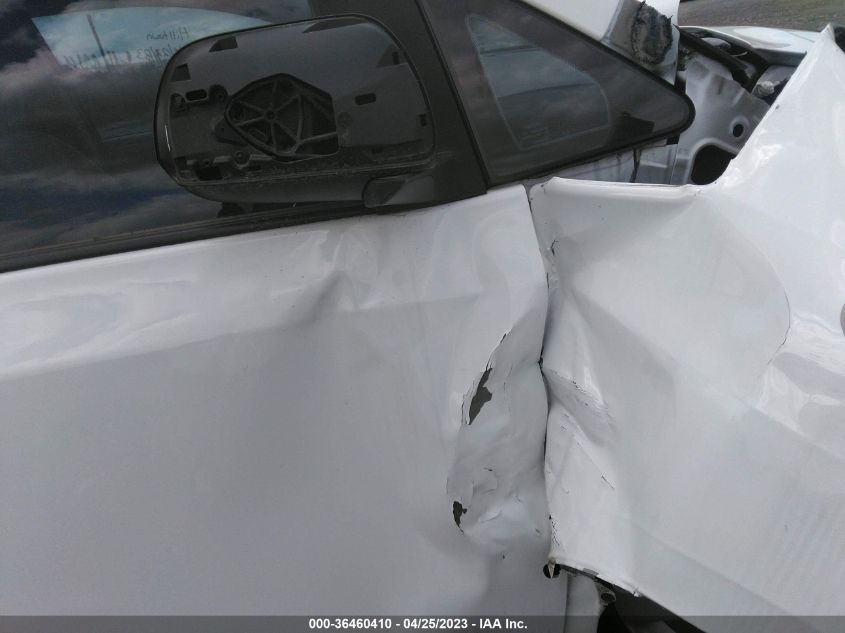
317 111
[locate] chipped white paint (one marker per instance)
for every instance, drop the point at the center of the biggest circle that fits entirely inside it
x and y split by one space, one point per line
696 369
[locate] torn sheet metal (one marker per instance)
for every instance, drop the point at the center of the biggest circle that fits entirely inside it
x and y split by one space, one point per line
277 423
651 36
643 33
695 363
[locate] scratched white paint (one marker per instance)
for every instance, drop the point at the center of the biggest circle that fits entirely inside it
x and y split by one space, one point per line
695 362
273 423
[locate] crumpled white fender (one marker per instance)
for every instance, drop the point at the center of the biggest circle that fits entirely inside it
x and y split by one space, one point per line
695 362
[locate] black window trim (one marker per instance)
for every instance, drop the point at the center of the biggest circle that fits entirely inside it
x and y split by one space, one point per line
547 170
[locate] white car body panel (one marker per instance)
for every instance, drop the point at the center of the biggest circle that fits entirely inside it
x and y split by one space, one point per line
666 7
596 18
696 367
276 423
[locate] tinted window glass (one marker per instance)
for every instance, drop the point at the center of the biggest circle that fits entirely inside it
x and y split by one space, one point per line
78 83
107 39
571 103
540 95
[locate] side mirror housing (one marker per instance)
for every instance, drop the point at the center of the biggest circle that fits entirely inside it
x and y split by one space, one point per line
328 110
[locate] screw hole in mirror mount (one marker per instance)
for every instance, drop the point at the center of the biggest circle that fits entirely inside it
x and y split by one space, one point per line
320 111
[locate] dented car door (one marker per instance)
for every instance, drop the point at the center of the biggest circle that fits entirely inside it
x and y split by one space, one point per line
255 423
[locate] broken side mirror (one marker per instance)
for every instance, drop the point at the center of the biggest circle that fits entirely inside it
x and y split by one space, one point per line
319 111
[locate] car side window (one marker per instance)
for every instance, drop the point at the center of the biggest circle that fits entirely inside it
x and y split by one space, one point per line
78 85
554 102
109 38
539 95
